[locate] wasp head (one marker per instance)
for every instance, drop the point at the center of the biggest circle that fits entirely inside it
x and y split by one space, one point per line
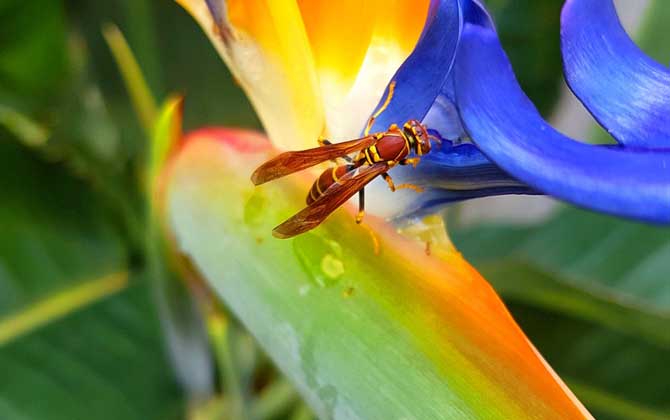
418 134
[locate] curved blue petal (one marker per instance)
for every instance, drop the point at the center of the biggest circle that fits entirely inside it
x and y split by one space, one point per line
424 91
506 126
454 173
457 167
625 90
419 79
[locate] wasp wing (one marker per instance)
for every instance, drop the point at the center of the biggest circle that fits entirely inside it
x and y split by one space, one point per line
290 162
336 195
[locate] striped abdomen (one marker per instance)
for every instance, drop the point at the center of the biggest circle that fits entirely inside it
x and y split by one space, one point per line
327 178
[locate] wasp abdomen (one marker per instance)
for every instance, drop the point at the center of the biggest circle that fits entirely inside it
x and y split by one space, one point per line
325 180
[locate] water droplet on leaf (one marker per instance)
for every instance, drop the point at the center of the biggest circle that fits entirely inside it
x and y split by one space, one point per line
254 209
331 266
320 258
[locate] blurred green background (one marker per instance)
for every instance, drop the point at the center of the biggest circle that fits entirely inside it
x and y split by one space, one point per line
94 324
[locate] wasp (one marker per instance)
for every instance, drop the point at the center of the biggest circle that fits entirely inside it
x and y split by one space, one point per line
376 154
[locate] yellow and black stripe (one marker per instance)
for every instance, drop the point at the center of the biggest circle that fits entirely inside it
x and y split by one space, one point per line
325 180
372 155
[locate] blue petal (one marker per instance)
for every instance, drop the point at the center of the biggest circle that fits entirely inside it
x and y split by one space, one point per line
625 90
506 126
454 173
457 167
419 79
424 91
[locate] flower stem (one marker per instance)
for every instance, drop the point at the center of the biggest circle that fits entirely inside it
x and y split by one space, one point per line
223 333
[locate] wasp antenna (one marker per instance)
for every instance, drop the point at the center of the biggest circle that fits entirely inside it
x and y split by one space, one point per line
437 139
381 109
435 136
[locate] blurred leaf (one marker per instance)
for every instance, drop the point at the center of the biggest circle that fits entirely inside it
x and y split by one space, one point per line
529 30
82 136
69 333
54 240
653 35
142 99
183 303
612 405
72 125
26 130
587 265
167 132
45 77
60 304
591 269
141 29
523 281
275 400
224 334
105 362
617 376
33 63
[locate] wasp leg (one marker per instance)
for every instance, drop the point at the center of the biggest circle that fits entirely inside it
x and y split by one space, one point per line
409 187
389 181
394 187
361 206
359 221
411 161
385 105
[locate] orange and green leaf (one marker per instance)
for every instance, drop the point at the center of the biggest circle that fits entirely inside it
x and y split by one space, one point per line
360 335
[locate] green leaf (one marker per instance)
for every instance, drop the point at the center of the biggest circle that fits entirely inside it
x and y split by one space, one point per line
75 342
136 84
55 240
182 305
47 94
165 137
601 284
618 377
33 63
653 34
529 31
26 130
105 362
523 281
612 405
596 267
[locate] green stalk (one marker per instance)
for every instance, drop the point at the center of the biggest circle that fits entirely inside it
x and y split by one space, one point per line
223 333
279 397
136 84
